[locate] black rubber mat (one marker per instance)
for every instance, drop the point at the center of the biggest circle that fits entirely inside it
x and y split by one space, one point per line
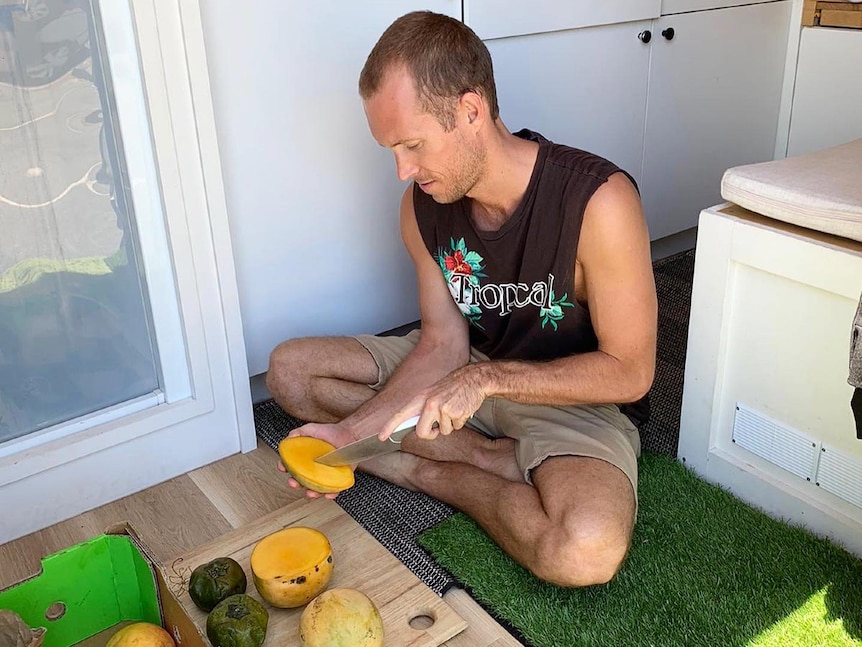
673 278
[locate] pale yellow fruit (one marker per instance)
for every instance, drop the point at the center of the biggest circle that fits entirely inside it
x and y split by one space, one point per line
141 634
341 618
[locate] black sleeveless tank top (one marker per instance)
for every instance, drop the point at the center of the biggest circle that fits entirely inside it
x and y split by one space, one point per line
516 285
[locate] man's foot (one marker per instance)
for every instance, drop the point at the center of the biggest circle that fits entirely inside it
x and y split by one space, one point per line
398 468
494 455
498 457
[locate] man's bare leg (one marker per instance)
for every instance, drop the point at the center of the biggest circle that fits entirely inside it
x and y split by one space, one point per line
321 379
572 529
494 455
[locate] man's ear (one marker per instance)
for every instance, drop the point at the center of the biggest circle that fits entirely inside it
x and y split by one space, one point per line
472 106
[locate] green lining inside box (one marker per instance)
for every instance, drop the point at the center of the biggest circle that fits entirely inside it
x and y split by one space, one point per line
100 582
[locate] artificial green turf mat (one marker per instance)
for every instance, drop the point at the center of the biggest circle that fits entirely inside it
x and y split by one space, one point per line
704 569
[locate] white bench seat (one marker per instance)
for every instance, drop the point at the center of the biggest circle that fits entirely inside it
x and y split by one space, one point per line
820 191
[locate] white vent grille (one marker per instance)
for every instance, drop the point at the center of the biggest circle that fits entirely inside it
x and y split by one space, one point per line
781 445
830 469
841 475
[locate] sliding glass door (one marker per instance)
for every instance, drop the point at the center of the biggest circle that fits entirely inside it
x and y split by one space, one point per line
76 335
122 362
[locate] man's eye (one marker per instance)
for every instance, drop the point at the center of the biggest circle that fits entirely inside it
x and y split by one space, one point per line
412 147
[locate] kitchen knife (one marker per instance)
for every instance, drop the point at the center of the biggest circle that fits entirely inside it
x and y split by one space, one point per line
369 447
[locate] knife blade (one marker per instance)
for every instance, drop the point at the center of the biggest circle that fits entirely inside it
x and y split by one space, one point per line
370 447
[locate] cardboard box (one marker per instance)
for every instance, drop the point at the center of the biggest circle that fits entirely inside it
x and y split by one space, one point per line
86 592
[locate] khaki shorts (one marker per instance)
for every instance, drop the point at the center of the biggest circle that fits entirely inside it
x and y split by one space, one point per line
596 431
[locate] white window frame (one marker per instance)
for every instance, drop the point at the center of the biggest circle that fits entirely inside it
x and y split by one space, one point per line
160 78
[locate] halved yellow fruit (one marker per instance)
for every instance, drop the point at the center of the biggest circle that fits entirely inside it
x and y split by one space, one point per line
292 566
298 453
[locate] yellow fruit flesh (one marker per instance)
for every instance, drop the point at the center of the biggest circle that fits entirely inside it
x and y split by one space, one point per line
141 634
292 566
298 453
341 618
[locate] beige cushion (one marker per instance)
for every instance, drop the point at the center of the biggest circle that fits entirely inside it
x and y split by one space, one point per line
820 190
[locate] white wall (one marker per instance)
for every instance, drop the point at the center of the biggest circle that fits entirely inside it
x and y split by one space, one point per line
827 97
312 199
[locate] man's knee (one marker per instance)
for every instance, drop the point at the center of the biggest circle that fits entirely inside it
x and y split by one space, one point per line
585 553
309 375
288 370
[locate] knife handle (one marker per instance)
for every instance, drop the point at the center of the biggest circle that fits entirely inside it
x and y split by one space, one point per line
403 429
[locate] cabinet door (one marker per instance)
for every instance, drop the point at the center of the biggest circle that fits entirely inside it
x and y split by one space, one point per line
582 87
503 18
713 101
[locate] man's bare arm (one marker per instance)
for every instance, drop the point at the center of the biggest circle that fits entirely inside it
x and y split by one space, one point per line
614 256
443 346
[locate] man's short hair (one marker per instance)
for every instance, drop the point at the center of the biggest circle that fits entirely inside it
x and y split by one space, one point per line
443 55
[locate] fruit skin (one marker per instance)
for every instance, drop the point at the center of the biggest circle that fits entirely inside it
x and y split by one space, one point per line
212 582
298 453
341 618
292 587
237 621
141 634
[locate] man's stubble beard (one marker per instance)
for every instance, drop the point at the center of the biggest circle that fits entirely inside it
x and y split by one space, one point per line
467 170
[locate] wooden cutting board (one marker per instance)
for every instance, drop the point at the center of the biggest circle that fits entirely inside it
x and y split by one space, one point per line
360 562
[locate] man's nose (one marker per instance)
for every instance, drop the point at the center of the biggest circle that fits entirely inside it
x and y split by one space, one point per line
405 168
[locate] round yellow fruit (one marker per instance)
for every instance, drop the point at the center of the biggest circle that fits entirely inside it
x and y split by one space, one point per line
299 454
290 567
141 634
341 618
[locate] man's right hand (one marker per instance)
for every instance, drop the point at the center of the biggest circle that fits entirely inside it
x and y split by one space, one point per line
334 434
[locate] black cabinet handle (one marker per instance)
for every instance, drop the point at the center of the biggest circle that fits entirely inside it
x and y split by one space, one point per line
645 36
668 33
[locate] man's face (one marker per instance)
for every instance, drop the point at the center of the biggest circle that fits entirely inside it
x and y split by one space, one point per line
446 165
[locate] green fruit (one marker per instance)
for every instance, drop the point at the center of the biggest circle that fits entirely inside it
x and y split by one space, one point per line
212 582
237 621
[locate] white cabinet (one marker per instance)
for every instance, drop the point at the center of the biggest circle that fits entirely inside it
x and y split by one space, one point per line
584 87
669 7
313 200
765 408
503 18
675 113
827 98
713 102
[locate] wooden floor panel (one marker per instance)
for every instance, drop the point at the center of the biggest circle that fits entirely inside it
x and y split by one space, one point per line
21 558
247 486
172 517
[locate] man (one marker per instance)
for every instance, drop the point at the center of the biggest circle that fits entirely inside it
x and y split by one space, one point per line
538 316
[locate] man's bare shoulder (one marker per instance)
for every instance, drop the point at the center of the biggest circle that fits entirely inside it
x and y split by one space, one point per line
407 201
613 219
617 193
615 204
